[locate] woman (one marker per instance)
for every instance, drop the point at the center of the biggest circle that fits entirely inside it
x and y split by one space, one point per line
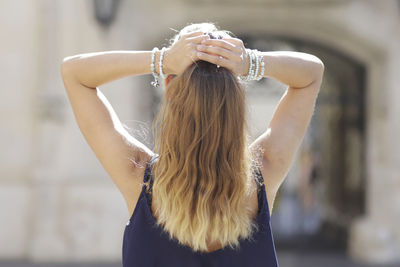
200 199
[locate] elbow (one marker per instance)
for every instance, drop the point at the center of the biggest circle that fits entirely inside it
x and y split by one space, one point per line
68 66
68 70
319 68
320 73
65 65
312 73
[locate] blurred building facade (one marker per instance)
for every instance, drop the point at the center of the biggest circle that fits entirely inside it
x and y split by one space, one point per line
58 204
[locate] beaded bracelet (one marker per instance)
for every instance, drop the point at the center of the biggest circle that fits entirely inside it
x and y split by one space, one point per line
253 72
161 62
244 77
256 60
255 51
262 67
154 83
252 60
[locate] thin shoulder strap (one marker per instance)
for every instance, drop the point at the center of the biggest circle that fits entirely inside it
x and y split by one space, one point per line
147 173
148 176
259 178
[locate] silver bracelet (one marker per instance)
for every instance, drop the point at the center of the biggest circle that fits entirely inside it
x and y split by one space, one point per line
256 62
253 59
247 77
154 83
162 75
261 59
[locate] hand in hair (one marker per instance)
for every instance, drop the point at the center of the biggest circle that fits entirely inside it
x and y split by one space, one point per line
183 52
226 52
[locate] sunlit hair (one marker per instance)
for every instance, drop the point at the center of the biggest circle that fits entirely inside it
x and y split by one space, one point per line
202 179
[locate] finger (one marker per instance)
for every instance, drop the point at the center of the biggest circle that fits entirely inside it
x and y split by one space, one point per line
192 34
220 42
237 42
218 51
198 39
215 59
233 40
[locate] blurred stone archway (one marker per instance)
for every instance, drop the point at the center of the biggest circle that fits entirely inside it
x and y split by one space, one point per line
325 189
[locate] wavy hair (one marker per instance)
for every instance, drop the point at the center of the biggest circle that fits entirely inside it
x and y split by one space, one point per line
204 169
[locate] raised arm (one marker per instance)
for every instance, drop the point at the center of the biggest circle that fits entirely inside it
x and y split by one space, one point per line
303 74
114 147
295 69
95 69
120 153
281 140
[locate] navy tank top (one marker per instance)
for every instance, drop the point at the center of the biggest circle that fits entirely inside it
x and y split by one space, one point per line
145 244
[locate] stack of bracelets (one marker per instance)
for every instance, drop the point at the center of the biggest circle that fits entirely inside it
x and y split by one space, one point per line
155 83
256 62
254 73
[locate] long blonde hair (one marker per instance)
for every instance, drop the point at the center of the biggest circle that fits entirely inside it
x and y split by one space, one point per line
204 169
